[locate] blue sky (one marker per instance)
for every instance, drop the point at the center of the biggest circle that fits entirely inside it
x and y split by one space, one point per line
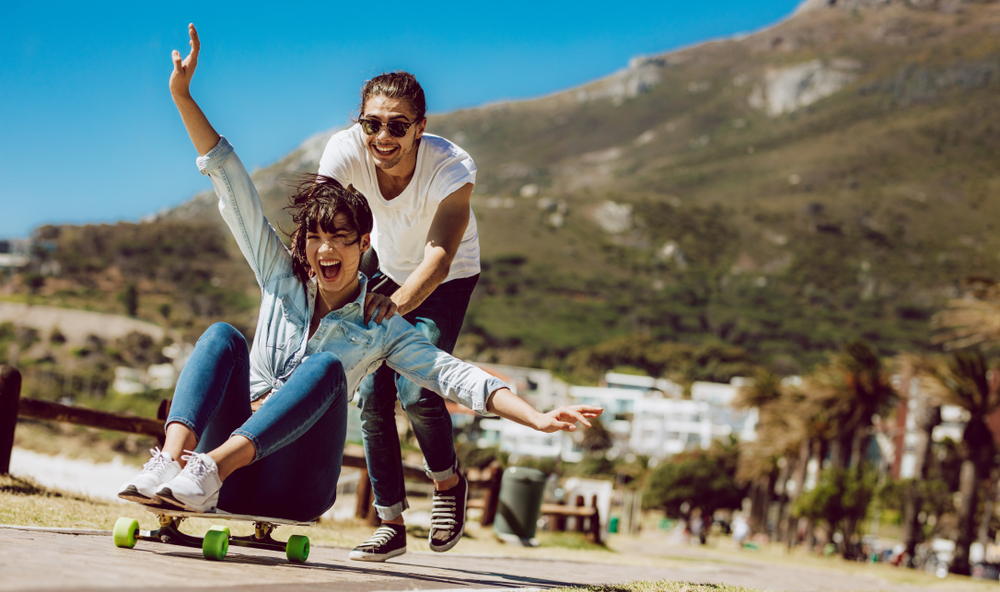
88 132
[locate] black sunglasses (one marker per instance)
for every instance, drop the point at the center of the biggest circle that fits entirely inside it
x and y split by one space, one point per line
397 129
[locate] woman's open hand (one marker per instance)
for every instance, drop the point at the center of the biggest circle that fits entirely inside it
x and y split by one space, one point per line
565 418
180 78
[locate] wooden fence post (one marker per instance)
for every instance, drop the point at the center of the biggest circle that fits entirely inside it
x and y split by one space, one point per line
492 497
162 413
10 398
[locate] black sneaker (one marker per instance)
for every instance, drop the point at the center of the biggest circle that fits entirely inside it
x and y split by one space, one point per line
448 516
388 541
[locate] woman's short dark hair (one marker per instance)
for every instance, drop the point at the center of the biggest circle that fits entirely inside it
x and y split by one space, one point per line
314 204
395 85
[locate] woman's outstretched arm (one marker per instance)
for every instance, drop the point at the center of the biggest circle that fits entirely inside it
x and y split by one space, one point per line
203 135
507 405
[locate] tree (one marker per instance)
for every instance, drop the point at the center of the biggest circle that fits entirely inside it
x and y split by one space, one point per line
973 320
597 438
769 458
855 388
704 479
840 499
129 297
847 393
926 415
964 379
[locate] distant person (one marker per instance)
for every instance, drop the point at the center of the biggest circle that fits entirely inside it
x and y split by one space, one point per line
419 188
261 430
740 530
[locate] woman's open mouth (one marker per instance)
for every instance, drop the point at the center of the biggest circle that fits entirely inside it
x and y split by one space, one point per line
329 269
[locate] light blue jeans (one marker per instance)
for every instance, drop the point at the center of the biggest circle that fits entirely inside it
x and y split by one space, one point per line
298 433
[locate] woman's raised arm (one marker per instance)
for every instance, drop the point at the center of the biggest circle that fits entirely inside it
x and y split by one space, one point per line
202 134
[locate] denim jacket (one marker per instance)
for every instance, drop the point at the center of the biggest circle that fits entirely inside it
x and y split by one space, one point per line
281 340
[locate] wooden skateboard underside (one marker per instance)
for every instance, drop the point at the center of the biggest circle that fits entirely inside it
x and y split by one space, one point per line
178 513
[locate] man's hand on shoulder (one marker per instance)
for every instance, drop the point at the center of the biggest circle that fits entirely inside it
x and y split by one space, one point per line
382 305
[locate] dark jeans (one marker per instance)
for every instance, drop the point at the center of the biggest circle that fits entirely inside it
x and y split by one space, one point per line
439 318
298 433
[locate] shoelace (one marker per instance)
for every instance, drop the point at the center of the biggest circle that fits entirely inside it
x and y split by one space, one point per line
382 536
443 512
156 463
195 466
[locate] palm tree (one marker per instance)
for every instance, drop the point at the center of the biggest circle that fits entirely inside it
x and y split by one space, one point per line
926 416
964 379
854 388
850 390
767 460
973 320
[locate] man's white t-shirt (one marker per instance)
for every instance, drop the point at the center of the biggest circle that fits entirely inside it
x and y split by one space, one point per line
402 223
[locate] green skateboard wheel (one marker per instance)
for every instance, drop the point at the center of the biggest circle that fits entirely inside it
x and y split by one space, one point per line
215 545
297 548
124 532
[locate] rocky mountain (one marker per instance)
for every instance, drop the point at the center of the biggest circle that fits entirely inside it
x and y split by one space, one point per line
778 194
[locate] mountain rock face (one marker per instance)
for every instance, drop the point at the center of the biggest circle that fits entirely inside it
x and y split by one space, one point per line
830 178
784 90
947 6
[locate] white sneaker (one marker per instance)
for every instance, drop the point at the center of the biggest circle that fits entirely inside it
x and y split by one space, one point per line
196 488
143 487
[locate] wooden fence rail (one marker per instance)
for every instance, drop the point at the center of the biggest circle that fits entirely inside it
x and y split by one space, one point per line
13 406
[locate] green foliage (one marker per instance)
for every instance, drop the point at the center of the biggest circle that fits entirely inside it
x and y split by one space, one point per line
702 479
33 281
129 297
841 495
470 455
545 465
717 362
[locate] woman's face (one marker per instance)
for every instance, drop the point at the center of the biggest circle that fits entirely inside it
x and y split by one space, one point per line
334 257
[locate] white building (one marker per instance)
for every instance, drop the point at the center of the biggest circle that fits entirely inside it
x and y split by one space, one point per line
669 388
644 415
724 419
663 427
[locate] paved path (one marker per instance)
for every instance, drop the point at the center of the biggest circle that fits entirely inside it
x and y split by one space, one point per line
76 325
64 560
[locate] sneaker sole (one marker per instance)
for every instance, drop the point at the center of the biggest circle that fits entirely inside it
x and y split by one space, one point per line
166 497
375 557
132 494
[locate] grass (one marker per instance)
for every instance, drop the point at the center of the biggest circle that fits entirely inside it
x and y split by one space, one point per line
79 442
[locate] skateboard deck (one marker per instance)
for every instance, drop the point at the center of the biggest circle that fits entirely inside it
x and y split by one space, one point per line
215 544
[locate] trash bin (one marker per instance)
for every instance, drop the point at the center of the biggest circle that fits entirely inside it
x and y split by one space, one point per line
613 524
521 493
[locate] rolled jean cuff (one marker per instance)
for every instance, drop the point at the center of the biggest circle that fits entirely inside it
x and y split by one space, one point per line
391 512
176 419
441 475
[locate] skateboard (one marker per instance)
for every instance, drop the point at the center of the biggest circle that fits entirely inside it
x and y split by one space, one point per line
215 544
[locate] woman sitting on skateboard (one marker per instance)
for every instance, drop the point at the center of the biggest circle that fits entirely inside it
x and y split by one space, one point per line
261 431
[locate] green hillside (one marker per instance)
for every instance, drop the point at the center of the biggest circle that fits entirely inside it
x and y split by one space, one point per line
755 200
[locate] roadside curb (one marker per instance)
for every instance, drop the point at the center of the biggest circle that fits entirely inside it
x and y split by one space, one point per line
57 530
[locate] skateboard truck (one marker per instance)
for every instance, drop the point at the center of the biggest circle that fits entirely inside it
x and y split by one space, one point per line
215 543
